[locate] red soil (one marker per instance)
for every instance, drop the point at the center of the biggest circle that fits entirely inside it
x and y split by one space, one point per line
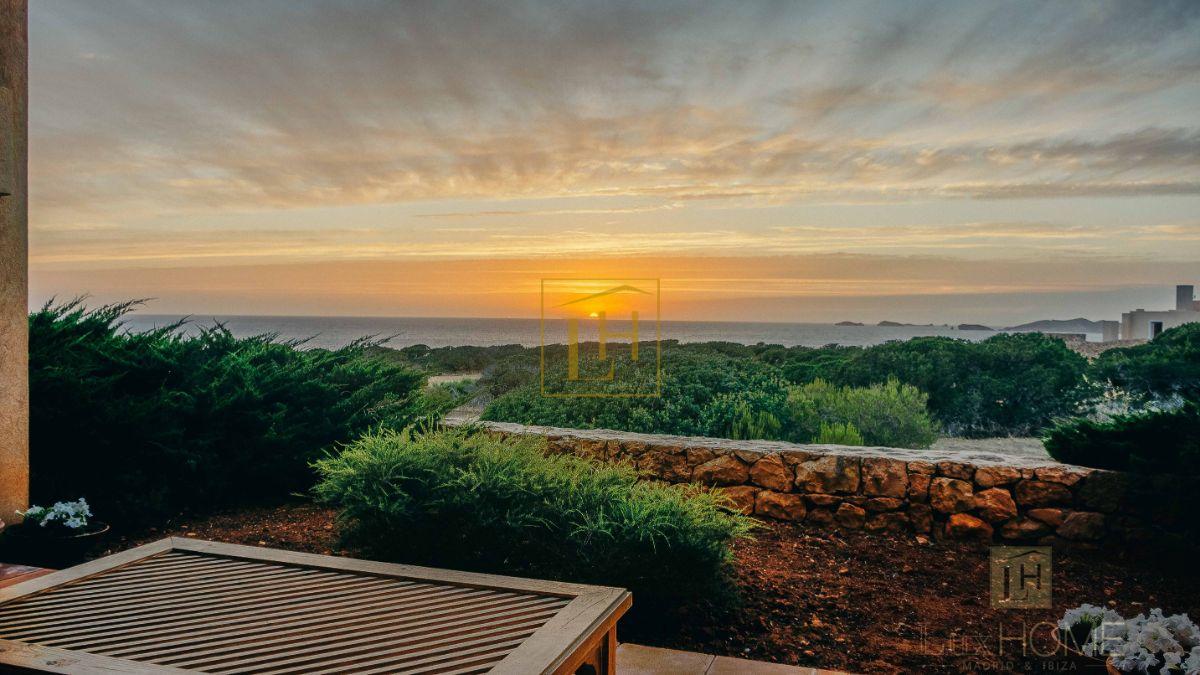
859 602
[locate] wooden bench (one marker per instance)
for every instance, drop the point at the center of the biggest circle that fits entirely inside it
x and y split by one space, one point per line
183 605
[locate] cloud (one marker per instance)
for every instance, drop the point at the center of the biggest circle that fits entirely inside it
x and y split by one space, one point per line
654 116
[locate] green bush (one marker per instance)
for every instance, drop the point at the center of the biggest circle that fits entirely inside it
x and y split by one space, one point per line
1168 365
436 400
1148 442
472 500
839 434
889 414
148 424
1007 384
693 382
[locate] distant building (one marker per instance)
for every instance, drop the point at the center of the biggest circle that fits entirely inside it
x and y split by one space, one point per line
1143 325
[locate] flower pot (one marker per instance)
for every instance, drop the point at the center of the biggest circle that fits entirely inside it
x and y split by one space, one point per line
29 544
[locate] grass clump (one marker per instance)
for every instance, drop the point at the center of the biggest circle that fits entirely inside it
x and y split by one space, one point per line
473 500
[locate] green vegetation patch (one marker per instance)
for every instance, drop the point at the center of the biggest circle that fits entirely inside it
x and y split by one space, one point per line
478 501
145 425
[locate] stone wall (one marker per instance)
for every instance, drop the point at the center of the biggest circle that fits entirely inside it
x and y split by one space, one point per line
976 495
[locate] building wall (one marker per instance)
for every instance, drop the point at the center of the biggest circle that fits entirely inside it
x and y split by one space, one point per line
1136 325
14 345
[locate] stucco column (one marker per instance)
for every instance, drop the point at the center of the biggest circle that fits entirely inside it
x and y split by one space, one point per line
14 293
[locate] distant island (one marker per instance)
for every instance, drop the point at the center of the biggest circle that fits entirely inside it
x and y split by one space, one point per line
896 324
974 326
848 323
1079 325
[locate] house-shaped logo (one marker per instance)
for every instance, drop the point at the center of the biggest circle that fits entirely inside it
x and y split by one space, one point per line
600 338
1020 577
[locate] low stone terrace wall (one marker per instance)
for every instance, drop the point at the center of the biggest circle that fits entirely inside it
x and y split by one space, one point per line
984 496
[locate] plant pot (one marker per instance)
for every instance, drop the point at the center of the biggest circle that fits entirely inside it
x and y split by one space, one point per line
29 544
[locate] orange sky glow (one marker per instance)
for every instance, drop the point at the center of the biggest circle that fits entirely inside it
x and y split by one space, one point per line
964 162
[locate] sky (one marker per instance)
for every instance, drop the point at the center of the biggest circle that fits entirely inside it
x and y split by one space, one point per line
989 162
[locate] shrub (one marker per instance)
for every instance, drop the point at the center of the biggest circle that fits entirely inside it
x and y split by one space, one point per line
839 434
1159 441
472 500
148 424
745 415
693 381
1007 384
890 414
436 400
1168 365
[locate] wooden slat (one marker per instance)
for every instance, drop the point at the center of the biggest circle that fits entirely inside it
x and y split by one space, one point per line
183 605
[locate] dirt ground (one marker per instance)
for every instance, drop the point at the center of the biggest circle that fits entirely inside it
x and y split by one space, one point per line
853 601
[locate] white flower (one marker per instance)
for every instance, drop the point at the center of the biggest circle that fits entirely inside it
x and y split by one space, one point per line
1191 665
1133 659
1184 629
71 514
1087 614
1156 637
1171 660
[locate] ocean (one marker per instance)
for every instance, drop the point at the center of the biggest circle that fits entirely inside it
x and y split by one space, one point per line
338 331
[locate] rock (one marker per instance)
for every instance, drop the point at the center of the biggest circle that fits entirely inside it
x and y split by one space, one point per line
1024 529
1041 493
633 448
823 500
991 476
670 467
829 474
742 496
780 505
995 505
921 517
950 495
698 456
722 470
926 468
819 516
918 486
955 470
1082 526
964 526
1058 474
1051 517
748 456
794 457
597 450
850 516
887 522
1103 491
884 477
770 472
877 504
